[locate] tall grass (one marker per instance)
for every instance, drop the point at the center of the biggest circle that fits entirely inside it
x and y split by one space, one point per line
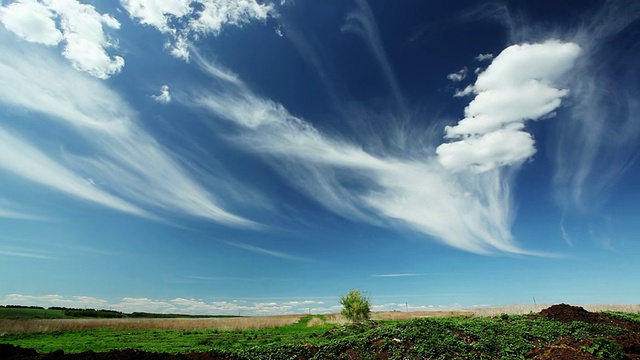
251 323
526 309
224 324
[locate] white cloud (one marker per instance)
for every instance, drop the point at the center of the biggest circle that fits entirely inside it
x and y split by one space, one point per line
218 13
183 20
596 145
259 250
363 23
83 31
55 300
396 275
126 164
22 159
518 64
484 57
459 75
129 304
32 21
23 252
492 109
164 96
81 27
10 211
482 153
188 306
466 211
157 13
516 87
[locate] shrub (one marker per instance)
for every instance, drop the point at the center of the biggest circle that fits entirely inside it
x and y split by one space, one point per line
356 307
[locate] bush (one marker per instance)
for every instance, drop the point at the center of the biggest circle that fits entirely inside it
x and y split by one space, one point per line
356 307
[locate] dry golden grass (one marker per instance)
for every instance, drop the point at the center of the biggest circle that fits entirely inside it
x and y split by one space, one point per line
259 322
526 309
480 312
242 323
315 321
402 315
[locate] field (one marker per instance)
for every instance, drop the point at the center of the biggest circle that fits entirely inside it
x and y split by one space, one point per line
558 332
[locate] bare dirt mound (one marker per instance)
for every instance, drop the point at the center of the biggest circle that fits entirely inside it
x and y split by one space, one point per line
570 348
567 313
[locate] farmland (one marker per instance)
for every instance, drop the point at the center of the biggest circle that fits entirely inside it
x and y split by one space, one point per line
557 332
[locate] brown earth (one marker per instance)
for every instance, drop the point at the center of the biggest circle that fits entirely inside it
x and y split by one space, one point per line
566 348
570 349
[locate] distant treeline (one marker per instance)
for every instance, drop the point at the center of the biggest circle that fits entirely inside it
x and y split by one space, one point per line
98 313
21 307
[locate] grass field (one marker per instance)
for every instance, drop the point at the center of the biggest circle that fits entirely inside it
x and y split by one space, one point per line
463 336
29 313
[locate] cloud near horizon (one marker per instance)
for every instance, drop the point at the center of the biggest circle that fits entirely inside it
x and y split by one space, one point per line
191 306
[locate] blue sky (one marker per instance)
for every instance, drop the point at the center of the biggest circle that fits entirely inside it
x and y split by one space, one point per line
234 156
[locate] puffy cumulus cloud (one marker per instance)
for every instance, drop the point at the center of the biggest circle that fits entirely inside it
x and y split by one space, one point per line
81 28
182 20
157 13
32 21
483 153
164 96
516 87
130 304
518 64
495 108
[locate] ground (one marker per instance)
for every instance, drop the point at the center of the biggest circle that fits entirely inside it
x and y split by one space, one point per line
625 345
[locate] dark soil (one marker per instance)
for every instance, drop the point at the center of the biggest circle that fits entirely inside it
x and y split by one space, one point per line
567 347
10 352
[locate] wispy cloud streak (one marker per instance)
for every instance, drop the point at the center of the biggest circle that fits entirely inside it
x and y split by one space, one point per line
125 163
263 251
472 213
597 143
363 23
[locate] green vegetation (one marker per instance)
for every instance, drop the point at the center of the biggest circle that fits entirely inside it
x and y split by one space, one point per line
604 348
15 312
37 312
356 307
432 338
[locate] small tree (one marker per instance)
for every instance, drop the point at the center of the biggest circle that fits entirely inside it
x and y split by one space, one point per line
356 307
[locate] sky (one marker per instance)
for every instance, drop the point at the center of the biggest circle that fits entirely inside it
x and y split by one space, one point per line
265 157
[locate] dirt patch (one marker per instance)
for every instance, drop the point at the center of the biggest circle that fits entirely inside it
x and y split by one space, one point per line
567 313
563 352
569 348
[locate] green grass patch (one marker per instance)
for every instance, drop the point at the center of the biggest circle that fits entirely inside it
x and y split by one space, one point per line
31 313
432 338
